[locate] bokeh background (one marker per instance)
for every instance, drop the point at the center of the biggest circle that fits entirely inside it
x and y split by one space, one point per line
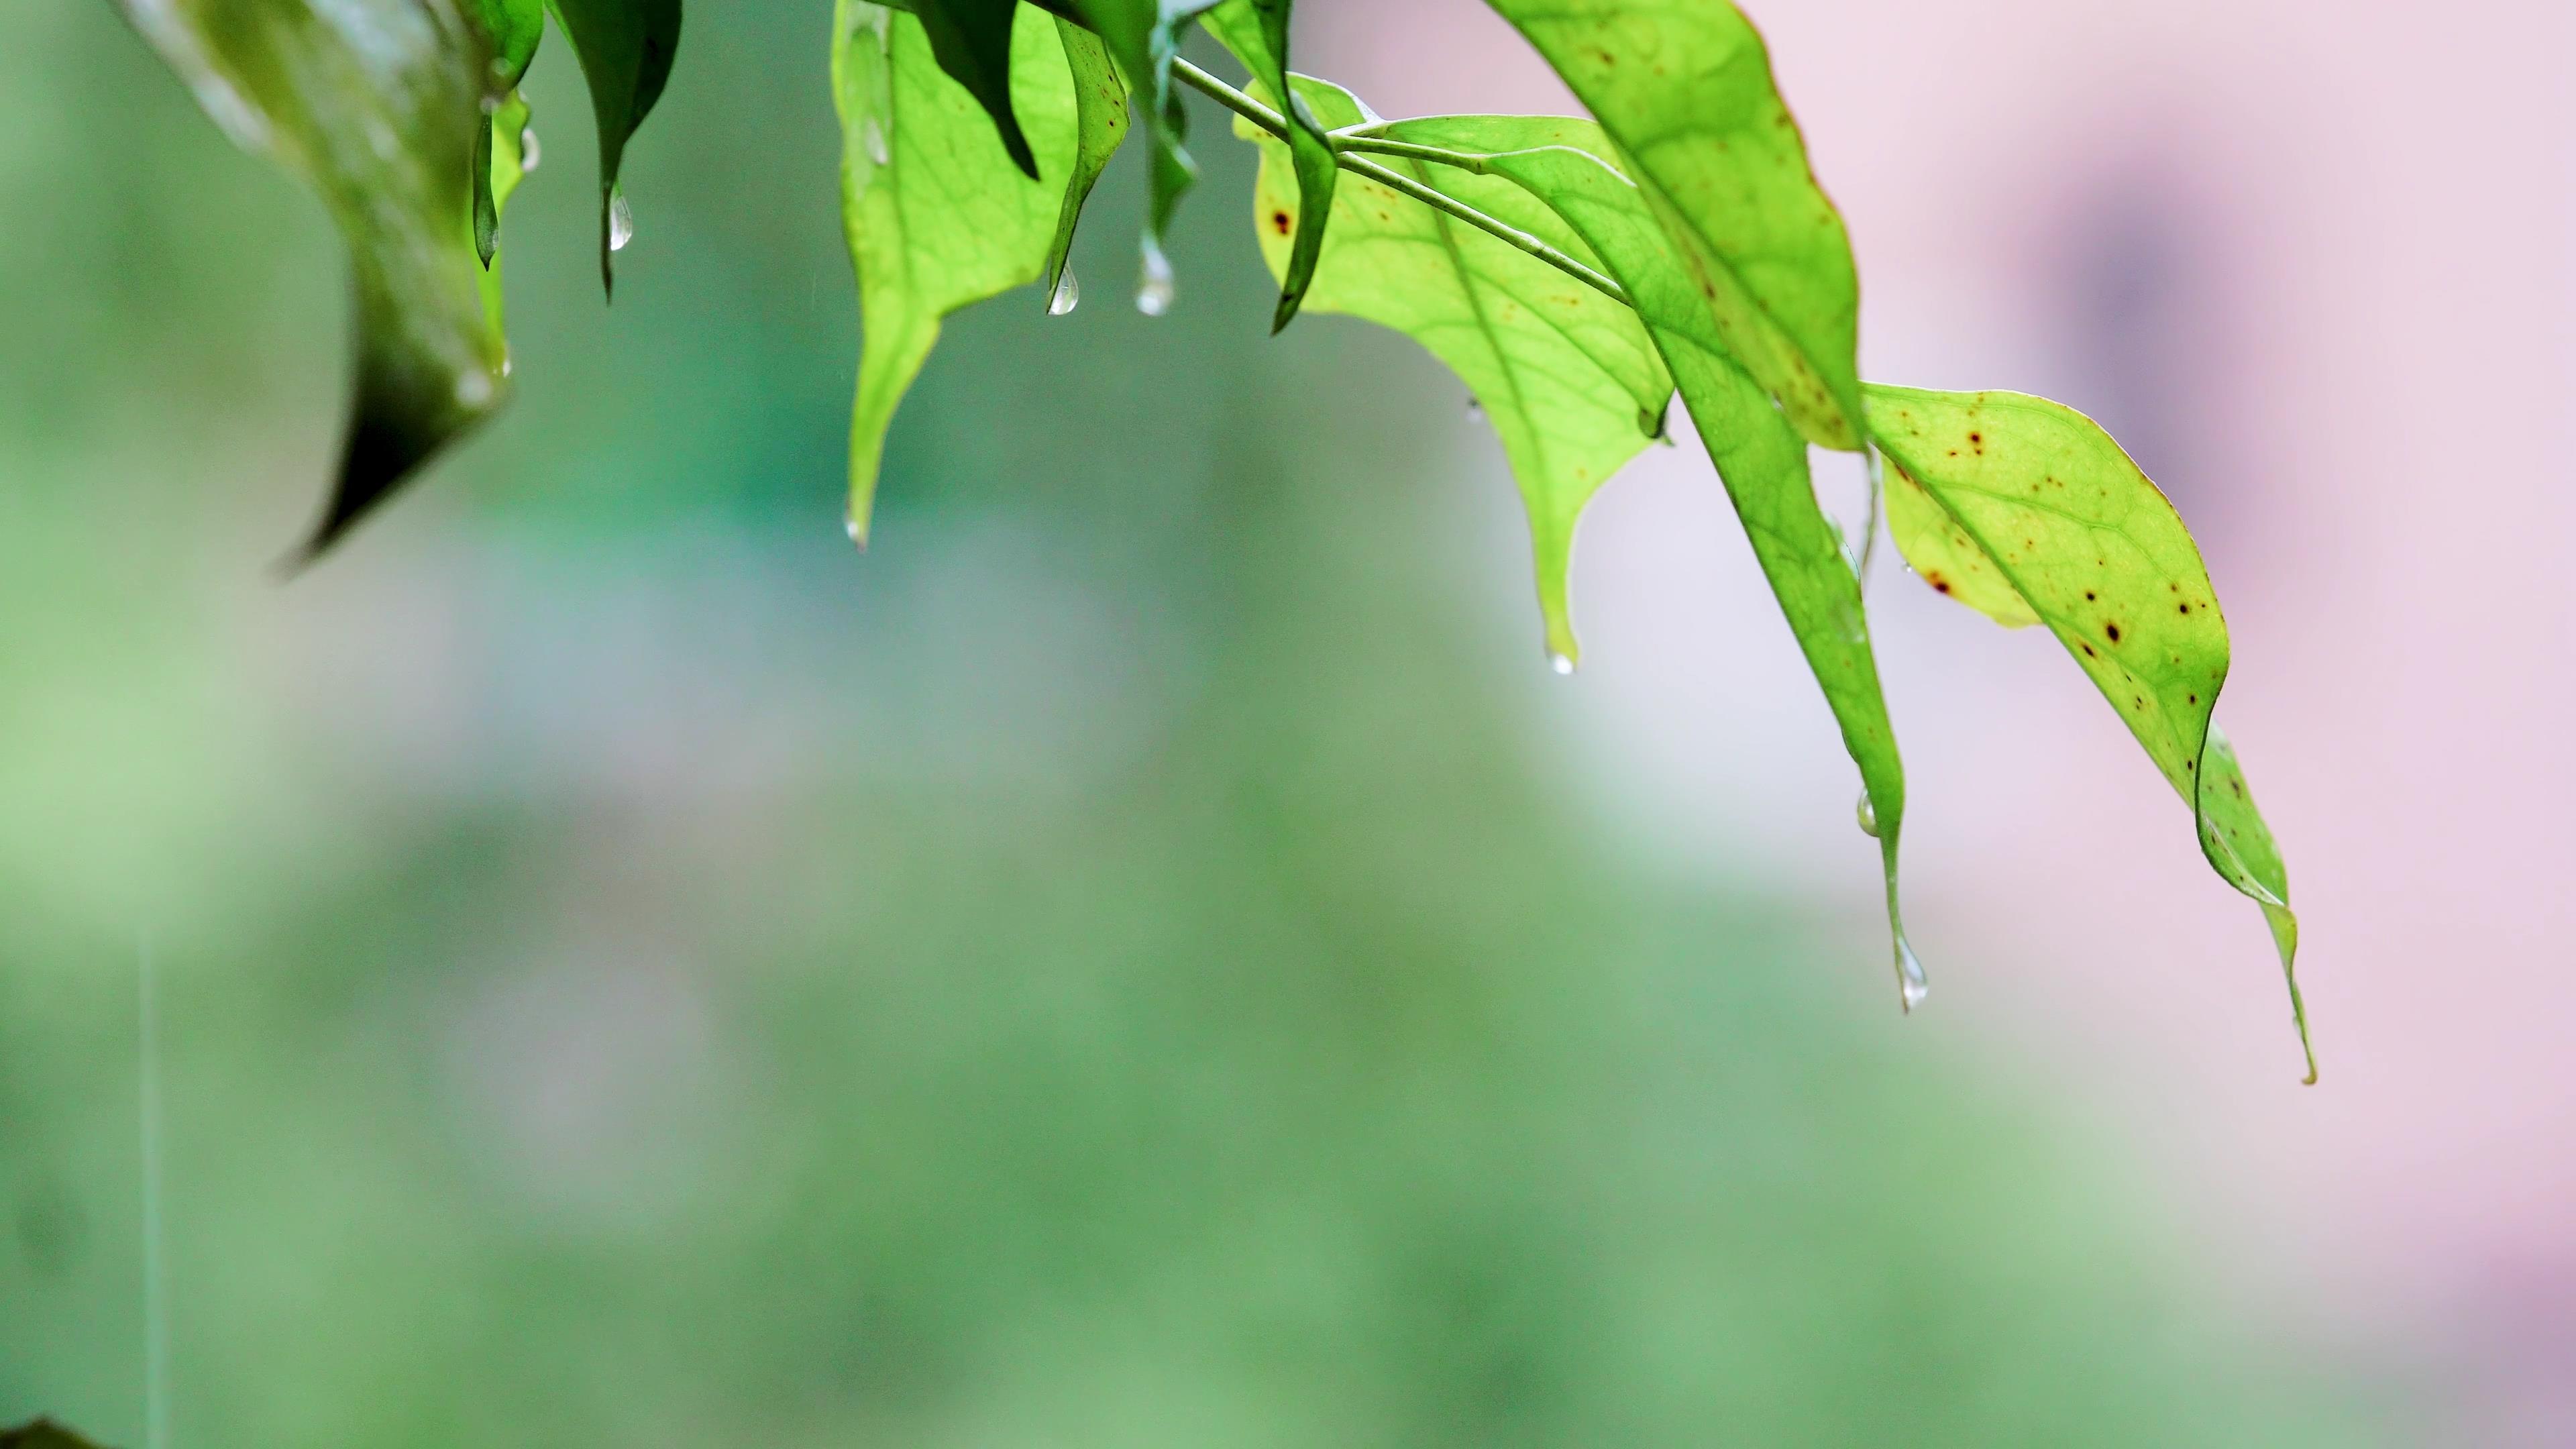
1148 955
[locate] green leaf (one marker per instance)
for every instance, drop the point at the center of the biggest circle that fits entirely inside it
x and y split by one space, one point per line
938 215
1143 36
972 41
1100 125
1684 89
513 27
376 104
1256 31
1946 557
1567 376
499 167
625 48
42 1434
2041 499
1760 456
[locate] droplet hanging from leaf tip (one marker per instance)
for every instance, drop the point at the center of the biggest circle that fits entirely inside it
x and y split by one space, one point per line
529 151
1154 286
1563 664
1868 816
621 222
1067 294
857 531
1911 986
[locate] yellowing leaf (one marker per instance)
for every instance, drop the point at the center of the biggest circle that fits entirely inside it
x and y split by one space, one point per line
1684 89
1947 558
2053 509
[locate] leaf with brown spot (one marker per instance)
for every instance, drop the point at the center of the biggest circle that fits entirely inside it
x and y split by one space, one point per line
1685 92
2101 560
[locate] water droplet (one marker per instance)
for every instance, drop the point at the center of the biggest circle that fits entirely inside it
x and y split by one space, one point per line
491 104
529 151
1067 294
1562 664
872 137
858 531
1909 977
1868 816
473 387
621 222
1475 409
1154 289
509 363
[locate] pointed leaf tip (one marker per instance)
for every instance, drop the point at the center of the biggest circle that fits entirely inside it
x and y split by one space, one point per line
2027 510
308 84
626 48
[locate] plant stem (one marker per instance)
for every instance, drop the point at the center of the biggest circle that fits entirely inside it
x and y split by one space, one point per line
1346 149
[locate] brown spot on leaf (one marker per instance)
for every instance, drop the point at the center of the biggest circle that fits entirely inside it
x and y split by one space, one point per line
2113 630
1283 221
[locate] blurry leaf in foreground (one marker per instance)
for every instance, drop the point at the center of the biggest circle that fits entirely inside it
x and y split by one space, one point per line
1759 455
2037 498
1256 31
42 1434
938 215
1685 91
376 103
1566 375
625 48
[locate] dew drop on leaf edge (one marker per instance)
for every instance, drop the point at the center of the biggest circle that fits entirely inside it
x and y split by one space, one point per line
621 222
873 137
1868 814
1067 294
1562 664
529 151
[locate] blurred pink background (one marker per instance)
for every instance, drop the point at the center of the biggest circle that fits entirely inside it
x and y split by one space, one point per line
2311 263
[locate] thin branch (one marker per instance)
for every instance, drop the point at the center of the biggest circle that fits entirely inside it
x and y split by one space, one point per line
1346 149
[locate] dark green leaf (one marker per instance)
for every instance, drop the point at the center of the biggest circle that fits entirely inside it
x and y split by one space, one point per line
1684 89
1256 31
2036 497
1759 455
377 104
938 214
1100 125
1566 376
513 27
1142 36
626 48
972 41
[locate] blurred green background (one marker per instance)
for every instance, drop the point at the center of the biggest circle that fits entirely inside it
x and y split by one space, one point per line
1116 965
